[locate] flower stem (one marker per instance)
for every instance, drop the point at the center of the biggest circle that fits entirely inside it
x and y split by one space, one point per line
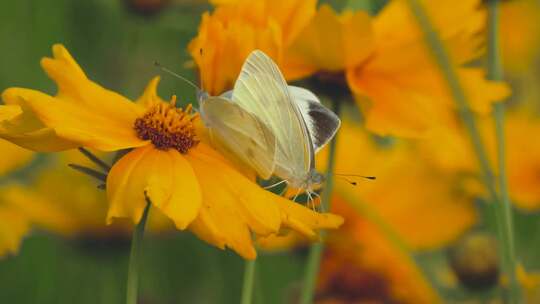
133 267
443 60
503 209
315 252
249 278
504 227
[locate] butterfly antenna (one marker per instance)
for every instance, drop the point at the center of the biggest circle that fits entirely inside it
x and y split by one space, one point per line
164 69
352 182
357 175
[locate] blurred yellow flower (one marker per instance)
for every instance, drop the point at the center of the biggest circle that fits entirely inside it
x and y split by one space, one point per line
362 265
235 28
407 95
520 34
171 163
13 157
424 205
13 227
329 43
530 282
450 151
60 200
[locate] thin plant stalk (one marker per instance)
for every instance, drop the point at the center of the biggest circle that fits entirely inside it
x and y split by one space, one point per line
316 250
504 227
133 267
504 208
249 279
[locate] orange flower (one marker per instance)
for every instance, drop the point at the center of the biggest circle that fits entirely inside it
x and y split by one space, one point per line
363 265
236 28
330 43
449 150
387 62
406 185
13 157
520 34
407 93
171 163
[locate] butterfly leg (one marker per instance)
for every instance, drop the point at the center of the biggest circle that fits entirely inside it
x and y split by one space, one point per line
316 195
296 195
275 185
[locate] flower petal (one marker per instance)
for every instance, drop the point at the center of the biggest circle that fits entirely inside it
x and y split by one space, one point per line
185 199
164 177
125 186
13 228
24 129
82 114
74 124
75 87
13 157
149 97
232 204
305 220
349 35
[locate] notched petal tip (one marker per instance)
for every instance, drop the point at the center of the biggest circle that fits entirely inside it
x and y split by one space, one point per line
149 95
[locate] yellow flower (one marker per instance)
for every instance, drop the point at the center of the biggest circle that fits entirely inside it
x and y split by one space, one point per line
393 68
330 43
171 163
60 200
13 227
530 282
407 185
407 94
450 151
361 265
236 28
13 157
520 34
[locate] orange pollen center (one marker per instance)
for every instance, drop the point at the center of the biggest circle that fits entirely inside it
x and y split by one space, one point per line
168 127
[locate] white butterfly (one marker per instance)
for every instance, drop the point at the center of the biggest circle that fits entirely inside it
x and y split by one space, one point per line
274 128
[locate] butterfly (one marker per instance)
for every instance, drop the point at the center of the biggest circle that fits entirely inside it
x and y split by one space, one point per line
274 128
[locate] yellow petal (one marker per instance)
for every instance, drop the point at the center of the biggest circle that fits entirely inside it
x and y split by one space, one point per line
76 124
82 113
13 157
75 87
330 42
232 204
164 177
24 129
184 201
38 207
305 220
407 94
13 228
149 97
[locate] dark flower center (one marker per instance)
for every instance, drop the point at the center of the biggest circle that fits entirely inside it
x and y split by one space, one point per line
168 127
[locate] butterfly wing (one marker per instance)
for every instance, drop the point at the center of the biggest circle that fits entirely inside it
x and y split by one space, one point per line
321 123
240 132
261 90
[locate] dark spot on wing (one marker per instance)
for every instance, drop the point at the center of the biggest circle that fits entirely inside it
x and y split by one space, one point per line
325 123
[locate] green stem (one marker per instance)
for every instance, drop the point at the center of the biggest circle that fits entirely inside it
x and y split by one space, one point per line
316 250
133 267
504 227
249 278
443 60
504 208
